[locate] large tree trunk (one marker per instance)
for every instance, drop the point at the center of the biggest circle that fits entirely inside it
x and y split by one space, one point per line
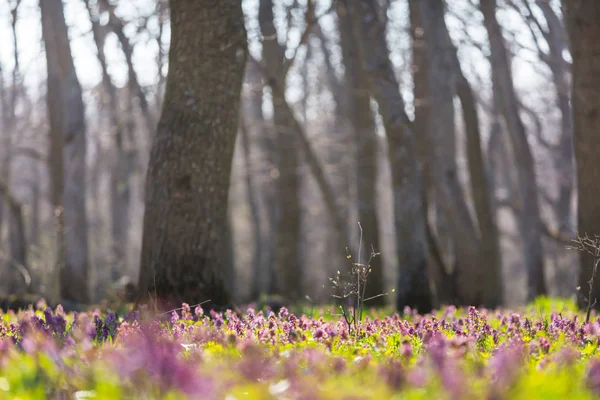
288 268
358 110
528 206
188 177
583 22
67 154
409 216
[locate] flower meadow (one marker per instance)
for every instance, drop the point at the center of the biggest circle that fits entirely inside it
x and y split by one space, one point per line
544 351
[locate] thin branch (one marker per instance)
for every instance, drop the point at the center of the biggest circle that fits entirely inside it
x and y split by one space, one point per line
311 20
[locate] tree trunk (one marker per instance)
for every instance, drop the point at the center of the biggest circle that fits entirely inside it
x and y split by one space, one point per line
442 153
583 22
18 278
18 250
288 268
118 27
409 216
556 39
67 154
122 169
487 288
443 288
188 177
529 210
358 110
252 122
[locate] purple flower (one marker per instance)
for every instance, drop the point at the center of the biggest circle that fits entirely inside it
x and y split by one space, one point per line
545 344
174 317
593 375
393 374
505 364
199 311
566 356
186 311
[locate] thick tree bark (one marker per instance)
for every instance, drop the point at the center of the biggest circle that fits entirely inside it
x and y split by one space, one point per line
358 110
529 210
67 154
190 164
409 216
288 268
583 22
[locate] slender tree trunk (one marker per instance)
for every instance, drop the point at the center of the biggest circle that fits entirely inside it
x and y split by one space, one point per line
188 178
35 218
118 27
487 265
67 154
122 169
556 38
358 110
443 287
18 249
252 122
583 23
16 264
442 153
529 210
409 215
289 275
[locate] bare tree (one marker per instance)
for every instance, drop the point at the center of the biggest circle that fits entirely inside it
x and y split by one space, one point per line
124 159
67 154
409 215
475 248
358 111
17 258
117 25
252 125
288 269
583 23
527 194
187 182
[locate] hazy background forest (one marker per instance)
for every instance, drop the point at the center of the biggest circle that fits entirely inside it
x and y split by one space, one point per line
485 87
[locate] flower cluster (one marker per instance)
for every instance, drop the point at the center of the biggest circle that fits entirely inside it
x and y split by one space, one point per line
452 353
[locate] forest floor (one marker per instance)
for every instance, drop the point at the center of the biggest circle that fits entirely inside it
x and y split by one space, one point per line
542 351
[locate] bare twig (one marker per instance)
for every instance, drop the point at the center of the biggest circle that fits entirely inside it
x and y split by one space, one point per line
591 246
